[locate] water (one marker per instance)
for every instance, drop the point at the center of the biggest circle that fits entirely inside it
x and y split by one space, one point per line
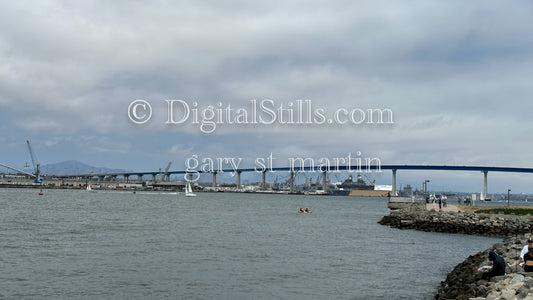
120 245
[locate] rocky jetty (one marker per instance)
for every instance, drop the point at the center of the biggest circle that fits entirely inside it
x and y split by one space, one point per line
498 225
464 281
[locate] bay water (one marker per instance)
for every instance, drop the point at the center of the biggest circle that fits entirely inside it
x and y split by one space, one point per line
75 244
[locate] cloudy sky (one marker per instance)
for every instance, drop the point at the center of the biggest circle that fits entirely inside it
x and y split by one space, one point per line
457 76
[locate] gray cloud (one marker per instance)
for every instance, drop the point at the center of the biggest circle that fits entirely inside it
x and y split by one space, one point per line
457 76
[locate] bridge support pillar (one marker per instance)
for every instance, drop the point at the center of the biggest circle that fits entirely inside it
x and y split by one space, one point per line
291 183
214 180
394 193
127 178
484 196
154 178
239 180
263 182
324 182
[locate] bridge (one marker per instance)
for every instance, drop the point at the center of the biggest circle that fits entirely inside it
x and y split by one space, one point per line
294 170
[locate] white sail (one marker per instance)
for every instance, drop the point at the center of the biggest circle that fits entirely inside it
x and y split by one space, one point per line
188 190
89 189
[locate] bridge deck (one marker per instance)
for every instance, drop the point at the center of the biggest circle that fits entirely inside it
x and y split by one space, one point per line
339 168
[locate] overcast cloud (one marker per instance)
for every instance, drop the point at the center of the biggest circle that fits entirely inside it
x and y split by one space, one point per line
456 74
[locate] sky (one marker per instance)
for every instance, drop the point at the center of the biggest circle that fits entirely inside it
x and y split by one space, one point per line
455 75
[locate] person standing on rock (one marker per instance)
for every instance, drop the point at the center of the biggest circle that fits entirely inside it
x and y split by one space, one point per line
498 266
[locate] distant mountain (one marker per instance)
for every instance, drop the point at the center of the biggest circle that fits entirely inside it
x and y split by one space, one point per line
73 167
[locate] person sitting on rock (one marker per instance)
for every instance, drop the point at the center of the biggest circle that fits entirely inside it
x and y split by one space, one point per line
524 251
528 260
498 266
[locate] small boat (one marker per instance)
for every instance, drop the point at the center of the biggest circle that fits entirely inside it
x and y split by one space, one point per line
188 190
89 189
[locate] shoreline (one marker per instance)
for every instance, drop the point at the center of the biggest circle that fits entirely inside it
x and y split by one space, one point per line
464 281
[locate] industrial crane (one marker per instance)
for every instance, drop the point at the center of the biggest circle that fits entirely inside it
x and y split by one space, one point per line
373 182
165 175
36 166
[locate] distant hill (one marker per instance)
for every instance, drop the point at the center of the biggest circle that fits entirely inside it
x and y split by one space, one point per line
72 167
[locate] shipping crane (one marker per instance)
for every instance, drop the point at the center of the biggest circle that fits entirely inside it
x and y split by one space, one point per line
20 171
166 177
36 166
373 182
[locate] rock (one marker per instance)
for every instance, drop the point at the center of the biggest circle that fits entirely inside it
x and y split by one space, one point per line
515 286
483 290
529 297
522 292
493 295
497 278
503 284
508 294
406 222
528 282
517 278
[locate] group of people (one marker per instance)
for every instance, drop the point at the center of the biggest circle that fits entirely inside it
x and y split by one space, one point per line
498 264
441 200
467 200
306 210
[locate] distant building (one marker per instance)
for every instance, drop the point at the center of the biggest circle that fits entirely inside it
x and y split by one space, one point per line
407 191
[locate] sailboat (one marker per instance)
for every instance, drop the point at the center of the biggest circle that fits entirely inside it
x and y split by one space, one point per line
188 190
89 189
482 197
